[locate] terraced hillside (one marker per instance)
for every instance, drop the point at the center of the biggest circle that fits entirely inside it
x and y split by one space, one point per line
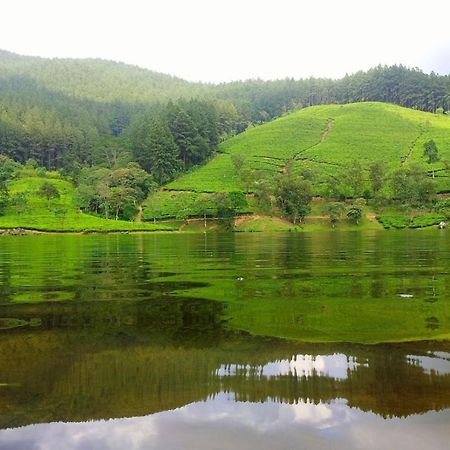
325 139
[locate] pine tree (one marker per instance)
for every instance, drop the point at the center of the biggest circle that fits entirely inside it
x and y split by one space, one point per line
155 150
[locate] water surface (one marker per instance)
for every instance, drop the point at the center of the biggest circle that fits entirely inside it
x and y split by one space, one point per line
178 341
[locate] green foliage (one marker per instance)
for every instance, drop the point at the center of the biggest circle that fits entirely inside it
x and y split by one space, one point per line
4 197
403 221
412 185
225 208
62 216
238 160
430 150
443 207
167 205
20 202
117 192
7 168
294 196
355 214
334 210
377 175
263 193
155 150
48 191
354 178
61 111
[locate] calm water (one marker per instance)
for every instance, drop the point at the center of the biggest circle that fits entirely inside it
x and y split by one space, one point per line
189 341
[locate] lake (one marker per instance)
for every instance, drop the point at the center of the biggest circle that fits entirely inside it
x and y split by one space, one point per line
225 341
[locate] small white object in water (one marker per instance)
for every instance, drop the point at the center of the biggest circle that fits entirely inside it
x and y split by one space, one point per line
240 278
406 295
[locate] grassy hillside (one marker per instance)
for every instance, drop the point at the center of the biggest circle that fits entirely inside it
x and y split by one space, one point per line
325 138
58 214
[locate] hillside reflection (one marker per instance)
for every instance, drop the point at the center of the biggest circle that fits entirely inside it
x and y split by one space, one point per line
101 361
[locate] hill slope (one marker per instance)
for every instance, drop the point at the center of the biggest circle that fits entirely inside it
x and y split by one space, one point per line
326 138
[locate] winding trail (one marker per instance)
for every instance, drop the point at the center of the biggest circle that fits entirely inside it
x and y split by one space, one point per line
325 132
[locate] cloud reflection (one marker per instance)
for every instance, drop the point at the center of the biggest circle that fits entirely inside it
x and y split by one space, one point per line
219 423
335 366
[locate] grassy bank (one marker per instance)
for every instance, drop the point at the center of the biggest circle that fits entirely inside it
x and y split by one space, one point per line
59 215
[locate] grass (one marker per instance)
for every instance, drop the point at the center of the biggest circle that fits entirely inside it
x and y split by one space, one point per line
326 139
59 215
264 224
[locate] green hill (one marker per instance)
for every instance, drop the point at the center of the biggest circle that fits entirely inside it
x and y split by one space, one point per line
327 140
324 138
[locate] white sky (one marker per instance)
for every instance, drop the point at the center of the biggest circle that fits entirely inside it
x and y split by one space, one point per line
223 40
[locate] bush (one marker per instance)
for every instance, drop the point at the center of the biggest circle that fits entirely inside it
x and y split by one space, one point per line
419 221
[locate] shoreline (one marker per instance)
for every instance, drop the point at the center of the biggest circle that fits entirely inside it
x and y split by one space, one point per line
24 231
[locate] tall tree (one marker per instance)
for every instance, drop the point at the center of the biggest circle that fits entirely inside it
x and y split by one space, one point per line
184 134
155 150
294 196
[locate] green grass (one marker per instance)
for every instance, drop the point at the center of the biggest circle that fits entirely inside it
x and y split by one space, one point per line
327 138
60 215
265 224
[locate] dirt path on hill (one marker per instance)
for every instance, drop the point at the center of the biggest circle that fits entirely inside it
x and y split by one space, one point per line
325 132
323 138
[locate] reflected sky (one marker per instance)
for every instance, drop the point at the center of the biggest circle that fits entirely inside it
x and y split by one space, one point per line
437 362
335 366
220 423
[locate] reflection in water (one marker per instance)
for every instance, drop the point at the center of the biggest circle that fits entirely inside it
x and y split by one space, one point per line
334 366
132 359
222 424
157 356
434 362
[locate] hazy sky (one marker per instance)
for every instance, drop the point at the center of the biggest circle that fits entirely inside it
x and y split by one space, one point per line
222 40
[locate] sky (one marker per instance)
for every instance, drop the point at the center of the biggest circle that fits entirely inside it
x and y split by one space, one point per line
224 40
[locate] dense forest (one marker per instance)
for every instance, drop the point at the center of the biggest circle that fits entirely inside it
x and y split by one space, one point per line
67 113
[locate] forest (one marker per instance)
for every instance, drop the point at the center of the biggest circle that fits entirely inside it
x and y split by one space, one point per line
67 114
